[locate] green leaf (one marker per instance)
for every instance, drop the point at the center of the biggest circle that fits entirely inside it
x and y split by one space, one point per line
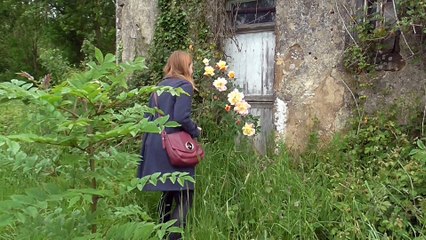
32 211
99 56
172 124
173 178
144 230
421 145
154 178
162 120
6 220
134 181
109 58
181 181
73 201
13 147
21 217
164 177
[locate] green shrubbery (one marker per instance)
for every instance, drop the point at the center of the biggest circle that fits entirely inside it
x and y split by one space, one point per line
376 183
70 159
368 184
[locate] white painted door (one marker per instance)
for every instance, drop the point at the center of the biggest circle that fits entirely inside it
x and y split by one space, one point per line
251 55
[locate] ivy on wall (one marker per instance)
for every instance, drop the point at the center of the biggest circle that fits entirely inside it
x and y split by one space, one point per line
180 25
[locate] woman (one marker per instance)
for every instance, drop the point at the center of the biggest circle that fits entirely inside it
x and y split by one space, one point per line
178 73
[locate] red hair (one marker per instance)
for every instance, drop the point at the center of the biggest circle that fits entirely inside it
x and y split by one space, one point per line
178 66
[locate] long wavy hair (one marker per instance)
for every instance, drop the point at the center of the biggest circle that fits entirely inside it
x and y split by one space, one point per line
178 66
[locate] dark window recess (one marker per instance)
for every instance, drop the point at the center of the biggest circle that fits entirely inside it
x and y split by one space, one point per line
252 12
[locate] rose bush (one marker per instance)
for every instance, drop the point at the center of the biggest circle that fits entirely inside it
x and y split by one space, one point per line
223 107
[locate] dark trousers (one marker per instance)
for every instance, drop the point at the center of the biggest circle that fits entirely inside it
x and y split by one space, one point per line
182 203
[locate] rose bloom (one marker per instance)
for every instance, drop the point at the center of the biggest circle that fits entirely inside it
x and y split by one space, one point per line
209 71
206 61
227 108
231 74
220 84
248 129
222 65
235 96
242 107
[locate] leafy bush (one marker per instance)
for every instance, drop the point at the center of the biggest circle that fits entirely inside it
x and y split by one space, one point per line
83 120
376 184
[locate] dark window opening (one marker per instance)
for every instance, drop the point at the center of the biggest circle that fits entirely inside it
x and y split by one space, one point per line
248 12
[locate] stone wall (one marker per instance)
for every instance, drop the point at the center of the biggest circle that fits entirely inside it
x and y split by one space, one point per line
313 92
135 27
309 82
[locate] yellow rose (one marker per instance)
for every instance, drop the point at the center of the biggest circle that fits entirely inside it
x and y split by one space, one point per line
222 65
220 84
235 97
206 61
242 107
248 129
209 71
231 74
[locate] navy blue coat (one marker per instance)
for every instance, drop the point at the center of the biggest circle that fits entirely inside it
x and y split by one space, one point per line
154 157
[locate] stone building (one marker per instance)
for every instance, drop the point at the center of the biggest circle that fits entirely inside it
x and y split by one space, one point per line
290 62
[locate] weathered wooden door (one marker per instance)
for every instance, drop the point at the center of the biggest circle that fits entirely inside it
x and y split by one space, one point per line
251 54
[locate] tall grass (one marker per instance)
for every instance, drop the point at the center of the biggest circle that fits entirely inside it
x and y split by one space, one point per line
241 195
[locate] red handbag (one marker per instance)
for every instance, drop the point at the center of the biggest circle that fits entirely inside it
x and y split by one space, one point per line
182 149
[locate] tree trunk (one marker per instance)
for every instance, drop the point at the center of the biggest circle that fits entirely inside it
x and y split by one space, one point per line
135 27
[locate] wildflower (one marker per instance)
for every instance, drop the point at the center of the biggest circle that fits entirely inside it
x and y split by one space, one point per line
220 84
209 71
248 129
206 61
242 107
228 108
231 74
222 65
235 96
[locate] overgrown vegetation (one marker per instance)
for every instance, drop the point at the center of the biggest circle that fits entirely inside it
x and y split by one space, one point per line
80 124
382 28
367 184
44 36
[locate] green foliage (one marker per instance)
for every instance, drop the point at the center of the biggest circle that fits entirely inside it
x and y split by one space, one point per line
80 119
413 14
181 25
377 187
171 34
356 58
30 28
370 30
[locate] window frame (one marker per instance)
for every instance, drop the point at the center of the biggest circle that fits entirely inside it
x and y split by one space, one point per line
255 27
